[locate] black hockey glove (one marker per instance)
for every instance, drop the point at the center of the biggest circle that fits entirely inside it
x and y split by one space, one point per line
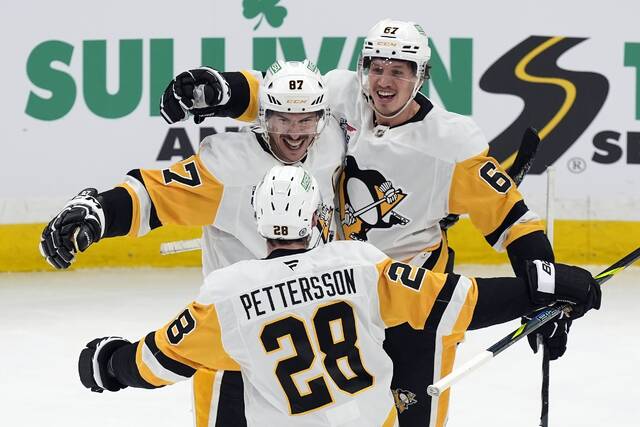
553 334
549 282
94 364
74 229
195 92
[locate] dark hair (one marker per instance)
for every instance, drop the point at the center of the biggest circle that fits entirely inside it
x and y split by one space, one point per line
292 242
414 67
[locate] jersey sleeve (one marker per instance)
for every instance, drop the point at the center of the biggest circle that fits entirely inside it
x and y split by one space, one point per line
186 193
244 87
480 188
117 206
424 299
191 341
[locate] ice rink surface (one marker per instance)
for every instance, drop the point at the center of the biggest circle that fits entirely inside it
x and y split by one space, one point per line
46 318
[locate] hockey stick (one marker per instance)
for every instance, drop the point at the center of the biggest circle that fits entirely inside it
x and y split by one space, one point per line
544 392
370 206
374 204
546 355
526 155
536 322
521 165
169 248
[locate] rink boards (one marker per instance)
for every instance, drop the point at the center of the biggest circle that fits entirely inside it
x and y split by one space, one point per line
576 242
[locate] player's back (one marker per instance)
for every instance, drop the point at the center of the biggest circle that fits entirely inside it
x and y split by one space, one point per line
306 330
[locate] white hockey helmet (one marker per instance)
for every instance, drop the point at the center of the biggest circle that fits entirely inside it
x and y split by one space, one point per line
400 40
284 203
293 87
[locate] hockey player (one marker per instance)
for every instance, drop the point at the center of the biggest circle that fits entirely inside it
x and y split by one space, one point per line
409 163
305 326
213 189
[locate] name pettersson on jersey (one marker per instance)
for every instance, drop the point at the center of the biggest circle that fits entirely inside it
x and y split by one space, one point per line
306 289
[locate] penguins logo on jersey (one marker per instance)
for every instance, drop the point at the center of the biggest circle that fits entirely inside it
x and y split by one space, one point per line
403 399
322 233
324 223
367 200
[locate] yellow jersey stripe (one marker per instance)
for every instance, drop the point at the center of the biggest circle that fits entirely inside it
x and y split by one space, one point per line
203 381
522 229
202 347
135 211
392 418
251 113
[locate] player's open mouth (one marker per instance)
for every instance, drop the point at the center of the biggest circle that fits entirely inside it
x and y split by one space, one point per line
293 144
385 95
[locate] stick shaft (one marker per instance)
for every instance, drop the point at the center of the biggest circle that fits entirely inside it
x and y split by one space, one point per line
544 412
471 365
373 204
537 321
544 390
525 156
178 246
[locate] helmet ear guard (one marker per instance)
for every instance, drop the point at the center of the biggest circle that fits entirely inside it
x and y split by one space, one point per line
284 203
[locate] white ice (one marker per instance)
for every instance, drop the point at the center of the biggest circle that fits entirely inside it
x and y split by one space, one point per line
46 318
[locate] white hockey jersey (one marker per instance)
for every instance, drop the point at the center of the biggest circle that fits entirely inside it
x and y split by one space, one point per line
214 188
399 182
306 330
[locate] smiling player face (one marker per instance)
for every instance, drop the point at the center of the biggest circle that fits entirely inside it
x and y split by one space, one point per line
291 134
391 84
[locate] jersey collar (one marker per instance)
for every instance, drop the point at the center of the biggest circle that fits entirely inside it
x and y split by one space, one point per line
276 253
425 107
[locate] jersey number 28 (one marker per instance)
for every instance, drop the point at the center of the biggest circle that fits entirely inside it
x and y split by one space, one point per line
332 349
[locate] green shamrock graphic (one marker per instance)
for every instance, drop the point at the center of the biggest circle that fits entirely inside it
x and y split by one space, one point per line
267 8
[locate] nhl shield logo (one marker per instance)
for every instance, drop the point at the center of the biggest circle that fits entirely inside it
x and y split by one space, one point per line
348 130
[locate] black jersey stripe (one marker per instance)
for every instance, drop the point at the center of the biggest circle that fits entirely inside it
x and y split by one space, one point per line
425 107
231 401
414 356
167 362
123 364
118 211
519 209
413 353
442 302
240 96
433 258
